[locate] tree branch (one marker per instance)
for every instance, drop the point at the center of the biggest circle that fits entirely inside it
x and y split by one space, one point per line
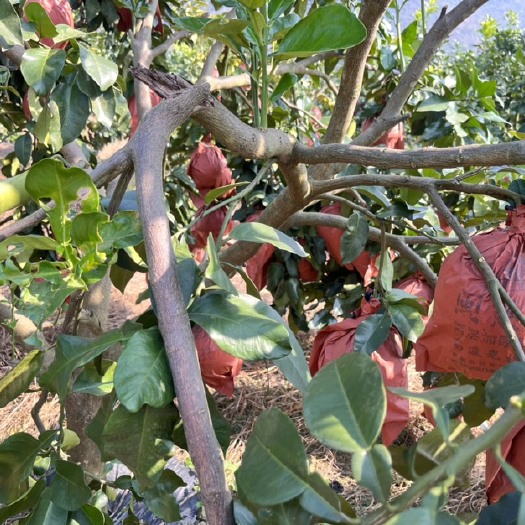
162 48
441 29
147 148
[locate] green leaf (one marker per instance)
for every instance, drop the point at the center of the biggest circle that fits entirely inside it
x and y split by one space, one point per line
354 238
91 382
105 107
22 246
396 296
373 469
19 378
73 352
50 179
327 28
386 271
137 440
66 33
214 270
286 82
24 502
103 71
277 7
215 193
23 148
506 382
433 103
436 399
41 68
241 325
74 109
187 270
274 464
407 320
261 233
46 512
143 373
38 16
10 30
88 515
252 4
161 499
47 128
17 455
321 501
345 403
505 512
68 489
124 230
372 333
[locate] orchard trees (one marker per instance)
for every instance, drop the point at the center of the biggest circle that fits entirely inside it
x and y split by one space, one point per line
294 81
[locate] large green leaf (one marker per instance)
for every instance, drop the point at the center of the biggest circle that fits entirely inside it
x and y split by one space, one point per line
18 380
373 469
214 270
41 68
257 232
345 403
36 14
354 238
105 107
286 82
17 455
74 110
47 128
241 325
103 71
91 382
320 500
88 515
436 399
328 28
274 465
22 246
161 499
277 7
506 382
50 179
68 489
73 352
46 512
407 320
137 440
10 30
24 502
23 148
372 333
294 365
143 373
187 270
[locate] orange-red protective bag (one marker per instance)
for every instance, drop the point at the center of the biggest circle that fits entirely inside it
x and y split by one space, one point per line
336 340
418 286
218 368
497 484
464 333
59 12
208 167
394 138
332 238
257 266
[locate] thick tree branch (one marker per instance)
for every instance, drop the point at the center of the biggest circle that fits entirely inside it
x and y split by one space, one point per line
492 282
371 13
147 148
441 29
383 158
211 63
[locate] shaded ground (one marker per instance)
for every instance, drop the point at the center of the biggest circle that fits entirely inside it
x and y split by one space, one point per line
258 388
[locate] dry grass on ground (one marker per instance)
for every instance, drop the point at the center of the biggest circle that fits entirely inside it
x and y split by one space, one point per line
258 388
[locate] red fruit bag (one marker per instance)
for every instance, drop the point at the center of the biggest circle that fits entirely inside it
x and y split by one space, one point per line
208 167
336 340
332 238
257 266
464 333
60 12
418 286
307 273
211 223
132 106
393 138
218 368
497 484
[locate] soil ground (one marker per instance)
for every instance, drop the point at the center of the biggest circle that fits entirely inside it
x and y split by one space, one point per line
258 388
